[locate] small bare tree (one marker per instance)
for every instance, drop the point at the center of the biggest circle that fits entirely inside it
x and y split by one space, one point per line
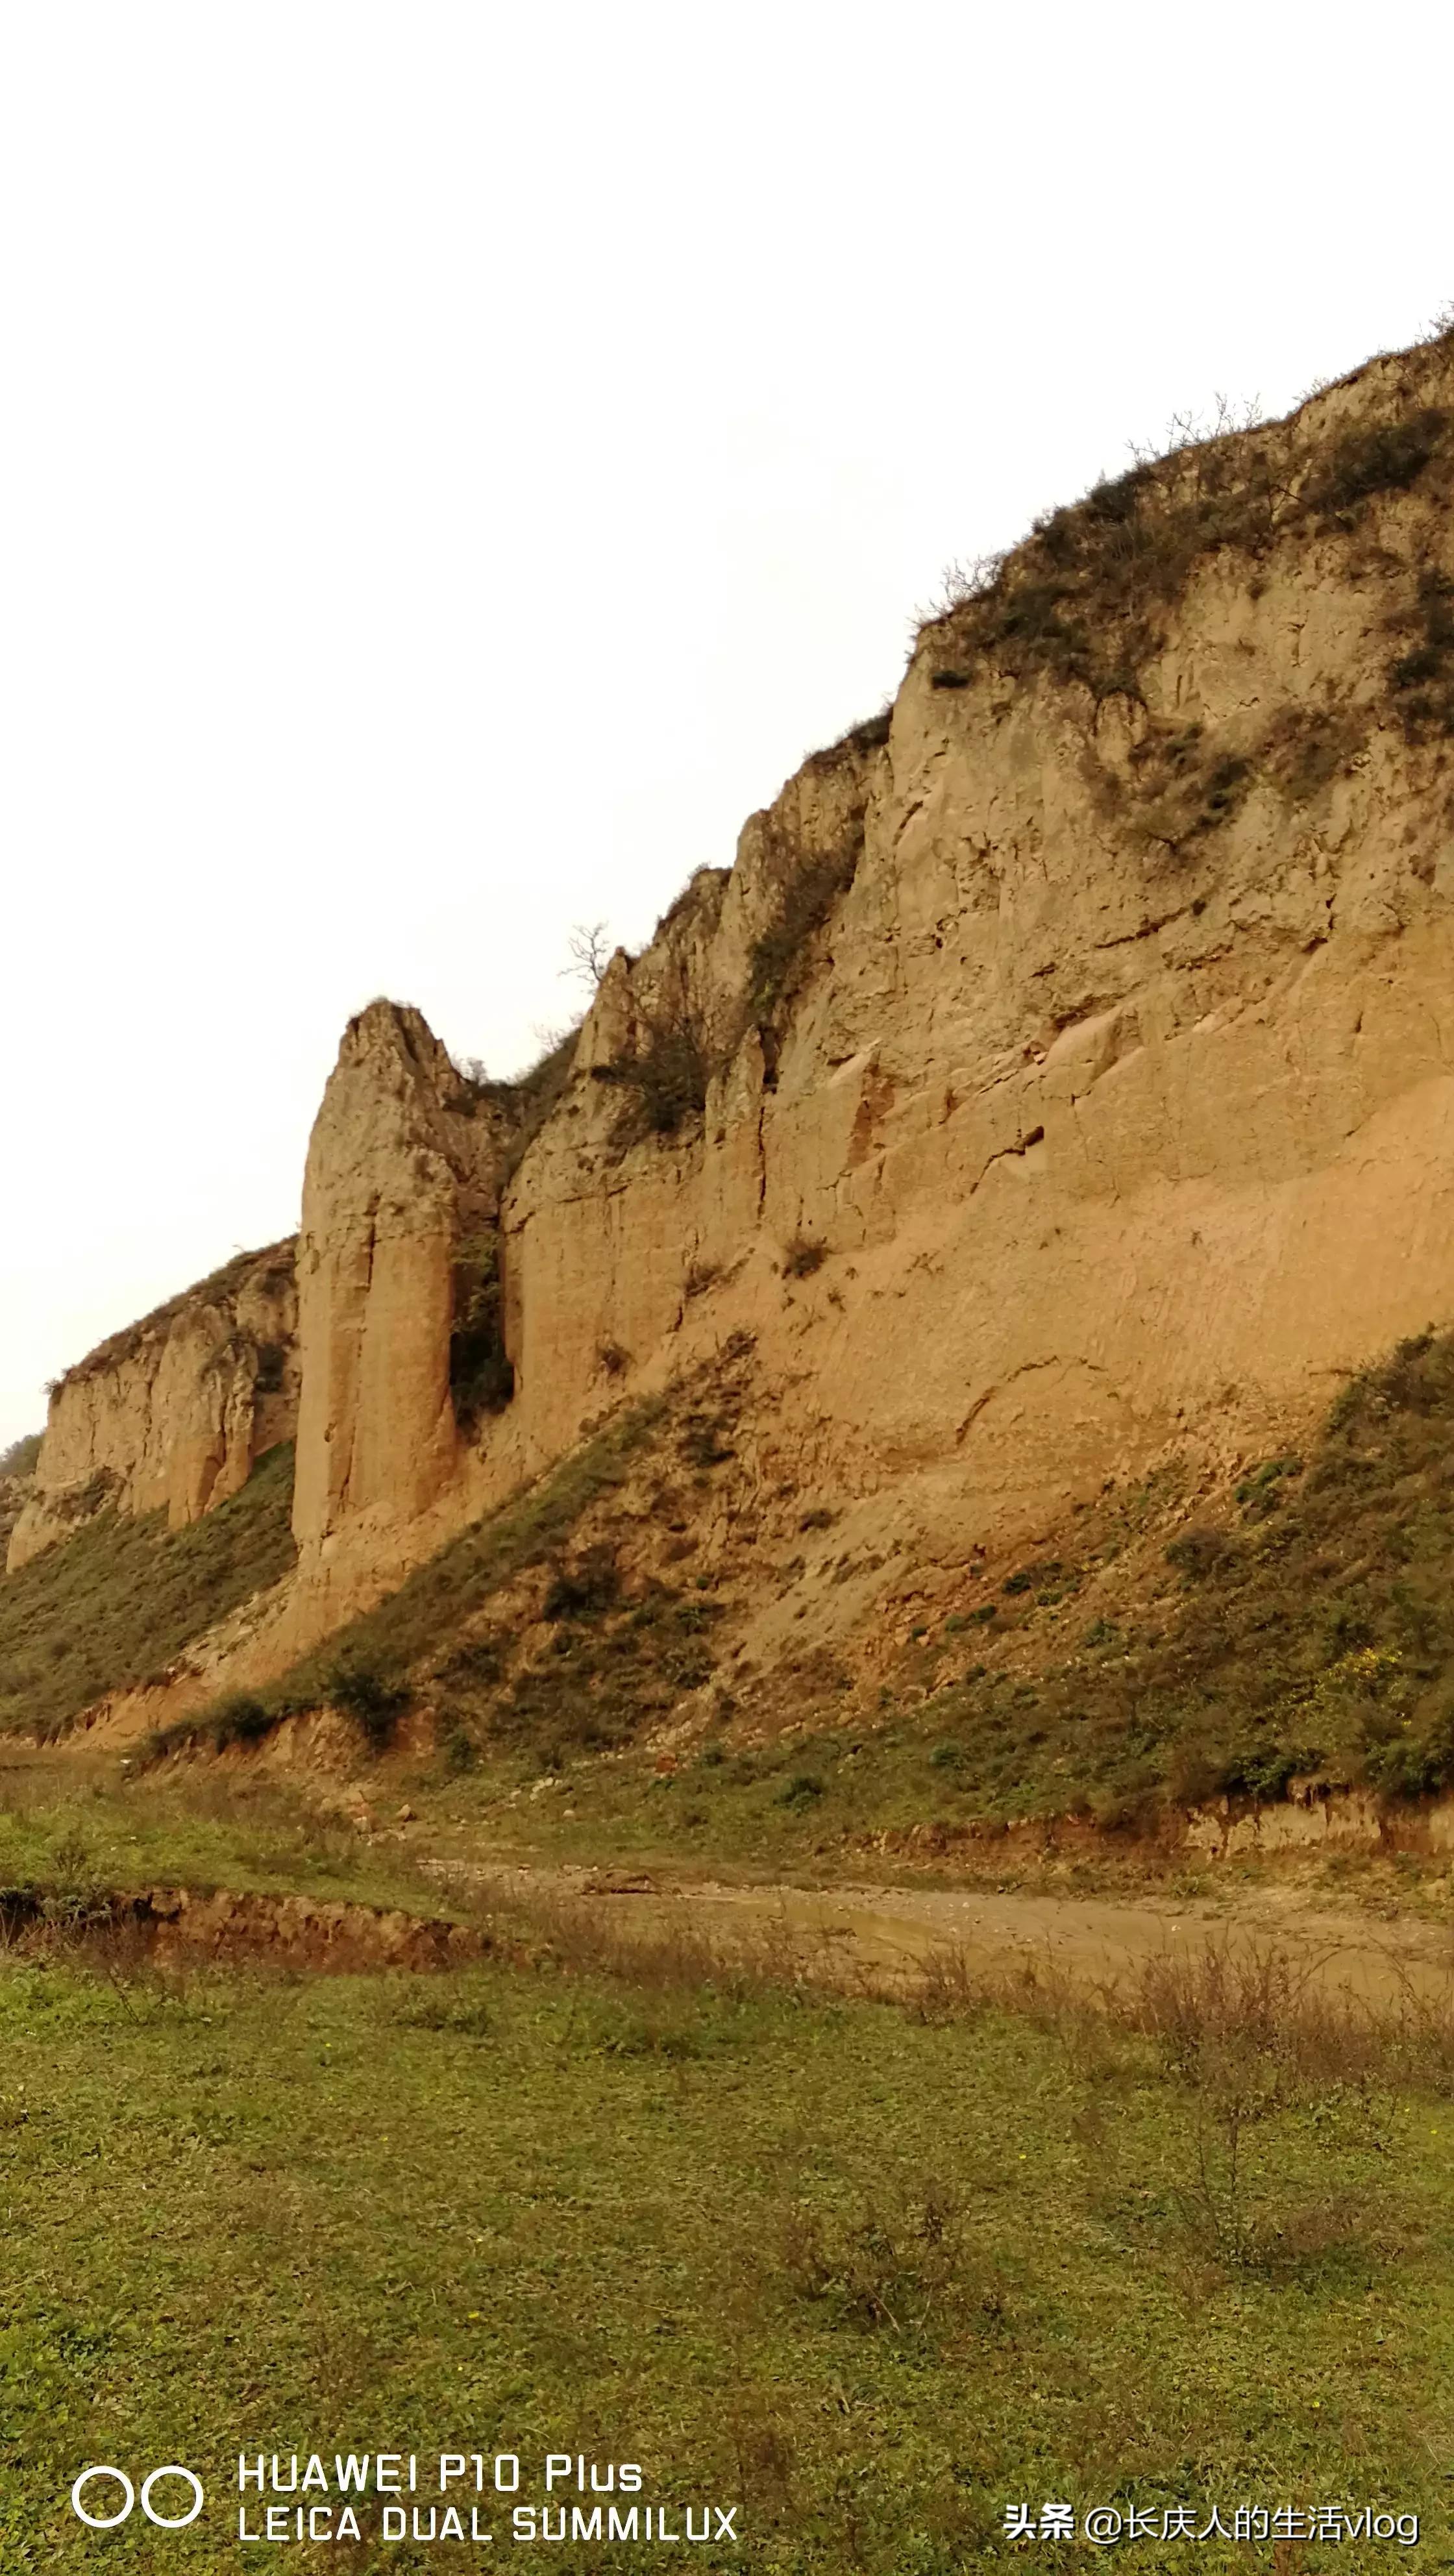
967 578
589 950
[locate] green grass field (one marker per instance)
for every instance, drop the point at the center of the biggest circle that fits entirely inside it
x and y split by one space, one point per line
867 2275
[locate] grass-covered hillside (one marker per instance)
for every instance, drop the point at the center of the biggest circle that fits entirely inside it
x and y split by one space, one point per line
1301 1621
118 1601
1179 1639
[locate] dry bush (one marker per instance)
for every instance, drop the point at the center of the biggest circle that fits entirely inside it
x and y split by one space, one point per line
802 1257
666 1079
901 2262
805 898
1246 2039
1234 2005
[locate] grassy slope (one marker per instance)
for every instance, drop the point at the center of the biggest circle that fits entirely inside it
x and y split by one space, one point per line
360 1666
116 1603
868 2278
1310 1626
1303 1621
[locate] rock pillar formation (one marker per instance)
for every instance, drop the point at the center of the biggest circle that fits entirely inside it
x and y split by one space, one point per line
400 1197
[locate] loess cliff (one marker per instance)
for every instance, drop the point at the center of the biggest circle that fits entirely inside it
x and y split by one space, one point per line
173 1413
1061 1080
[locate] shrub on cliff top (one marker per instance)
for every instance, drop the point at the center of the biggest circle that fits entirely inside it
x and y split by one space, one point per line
1085 597
1387 456
19 1459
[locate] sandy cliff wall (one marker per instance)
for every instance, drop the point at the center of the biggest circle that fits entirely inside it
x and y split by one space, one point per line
396 1264
14 1495
173 1412
1064 1069
1117 1080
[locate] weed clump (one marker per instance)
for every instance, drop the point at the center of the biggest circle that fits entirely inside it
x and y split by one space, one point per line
899 2265
585 1590
804 1789
240 1717
803 1257
1200 1553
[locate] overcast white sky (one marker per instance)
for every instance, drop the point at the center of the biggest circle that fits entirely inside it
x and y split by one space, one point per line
456 459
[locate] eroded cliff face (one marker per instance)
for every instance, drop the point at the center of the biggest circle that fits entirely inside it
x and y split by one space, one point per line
172 1413
396 1269
1113 1091
1064 1070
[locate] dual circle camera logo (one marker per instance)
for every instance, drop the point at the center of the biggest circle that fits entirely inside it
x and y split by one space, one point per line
109 2521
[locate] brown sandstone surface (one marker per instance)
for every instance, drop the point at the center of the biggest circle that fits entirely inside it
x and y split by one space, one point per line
400 1197
1064 1071
173 1413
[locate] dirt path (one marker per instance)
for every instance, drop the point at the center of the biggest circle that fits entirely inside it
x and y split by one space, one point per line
882 1935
